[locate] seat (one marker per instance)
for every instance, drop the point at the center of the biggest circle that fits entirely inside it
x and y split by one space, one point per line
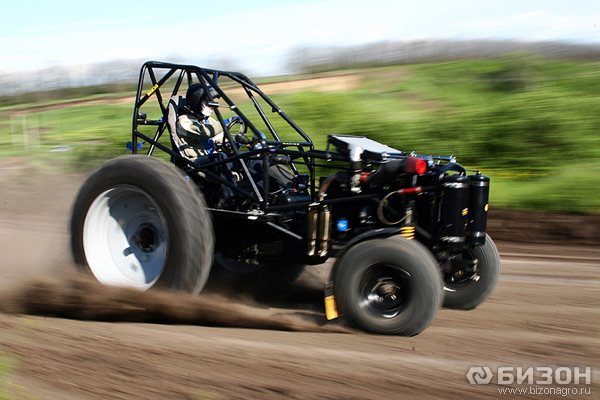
176 103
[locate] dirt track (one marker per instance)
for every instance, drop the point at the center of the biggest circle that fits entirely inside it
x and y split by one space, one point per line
543 313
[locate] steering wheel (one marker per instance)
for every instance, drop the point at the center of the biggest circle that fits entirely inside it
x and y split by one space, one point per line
237 120
239 138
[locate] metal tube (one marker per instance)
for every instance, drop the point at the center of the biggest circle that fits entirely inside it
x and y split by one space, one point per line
324 231
311 229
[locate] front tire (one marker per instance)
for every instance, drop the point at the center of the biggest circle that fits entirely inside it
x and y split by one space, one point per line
389 286
137 222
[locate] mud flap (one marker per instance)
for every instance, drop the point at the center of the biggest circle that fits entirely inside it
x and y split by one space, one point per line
330 308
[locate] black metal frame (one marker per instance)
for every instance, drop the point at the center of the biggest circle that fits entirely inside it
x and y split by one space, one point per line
304 148
301 152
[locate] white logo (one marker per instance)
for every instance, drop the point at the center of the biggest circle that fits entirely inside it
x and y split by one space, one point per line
479 375
531 375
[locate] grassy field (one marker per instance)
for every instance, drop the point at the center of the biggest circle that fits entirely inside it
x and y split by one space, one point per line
7 389
532 125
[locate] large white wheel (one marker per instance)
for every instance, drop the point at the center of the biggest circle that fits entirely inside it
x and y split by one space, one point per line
138 223
125 238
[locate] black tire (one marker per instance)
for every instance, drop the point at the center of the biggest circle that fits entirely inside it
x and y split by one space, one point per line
389 286
469 293
139 222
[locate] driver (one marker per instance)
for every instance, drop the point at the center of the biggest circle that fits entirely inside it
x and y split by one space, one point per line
195 127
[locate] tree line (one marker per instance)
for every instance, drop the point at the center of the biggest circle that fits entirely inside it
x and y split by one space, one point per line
306 60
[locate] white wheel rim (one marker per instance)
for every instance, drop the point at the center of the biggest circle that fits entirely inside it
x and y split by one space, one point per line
125 238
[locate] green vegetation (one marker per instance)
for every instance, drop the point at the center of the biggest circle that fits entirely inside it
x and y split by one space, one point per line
6 369
10 390
94 133
532 125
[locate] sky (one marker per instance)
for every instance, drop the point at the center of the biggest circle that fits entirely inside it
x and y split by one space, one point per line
256 36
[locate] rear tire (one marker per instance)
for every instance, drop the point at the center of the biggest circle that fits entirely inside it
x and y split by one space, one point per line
469 293
138 222
389 286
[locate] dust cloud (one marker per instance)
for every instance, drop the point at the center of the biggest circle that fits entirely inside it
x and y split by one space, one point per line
82 298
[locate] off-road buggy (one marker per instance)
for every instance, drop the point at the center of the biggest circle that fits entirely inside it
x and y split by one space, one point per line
407 231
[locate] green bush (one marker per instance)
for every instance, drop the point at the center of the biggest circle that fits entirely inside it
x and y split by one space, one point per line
517 115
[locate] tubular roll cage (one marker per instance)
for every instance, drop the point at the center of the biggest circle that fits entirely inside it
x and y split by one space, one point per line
299 152
209 77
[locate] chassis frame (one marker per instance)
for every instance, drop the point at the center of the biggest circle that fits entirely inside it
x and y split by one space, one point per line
429 220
